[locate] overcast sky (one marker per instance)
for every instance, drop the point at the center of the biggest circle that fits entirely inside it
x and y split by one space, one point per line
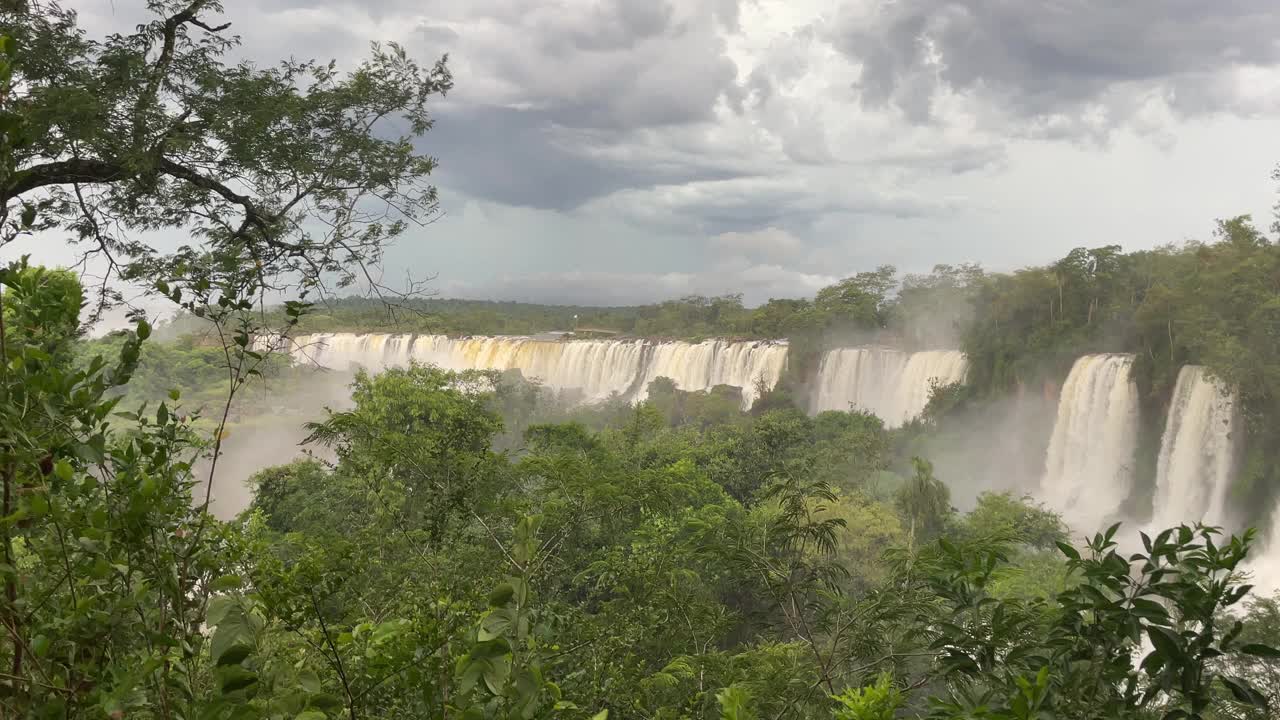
611 151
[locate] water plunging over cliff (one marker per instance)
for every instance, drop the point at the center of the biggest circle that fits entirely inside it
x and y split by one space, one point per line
1089 470
891 384
1197 452
596 368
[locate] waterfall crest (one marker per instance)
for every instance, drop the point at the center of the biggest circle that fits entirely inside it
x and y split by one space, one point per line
892 384
1197 452
1089 470
706 364
596 368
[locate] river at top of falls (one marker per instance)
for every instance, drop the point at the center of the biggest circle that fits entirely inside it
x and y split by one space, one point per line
596 368
1197 452
891 384
1089 469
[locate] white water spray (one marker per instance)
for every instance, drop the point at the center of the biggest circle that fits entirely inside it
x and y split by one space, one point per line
596 368
890 384
1089 471
1197 452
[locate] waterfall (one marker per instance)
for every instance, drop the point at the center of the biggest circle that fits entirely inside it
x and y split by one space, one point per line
1088 474
1264 560
891 384
1197 452
595 368
707 364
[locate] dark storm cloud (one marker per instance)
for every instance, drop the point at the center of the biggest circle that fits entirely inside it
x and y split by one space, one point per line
551 102
624 64
1041 57
513 157
543 91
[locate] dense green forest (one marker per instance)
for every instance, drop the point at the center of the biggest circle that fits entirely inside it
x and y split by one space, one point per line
467 544
1214 303
477 549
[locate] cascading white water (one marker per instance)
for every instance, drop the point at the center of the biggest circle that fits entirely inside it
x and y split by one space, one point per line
1264 560
1197 452
596 368
891 384
1089 471
710 363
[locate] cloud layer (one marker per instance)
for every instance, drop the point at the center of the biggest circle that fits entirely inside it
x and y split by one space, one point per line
1065 66
592 141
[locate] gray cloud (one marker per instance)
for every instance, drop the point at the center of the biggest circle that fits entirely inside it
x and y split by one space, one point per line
523 157
561 104
665 137
617 64
552 100
745 205
1043 58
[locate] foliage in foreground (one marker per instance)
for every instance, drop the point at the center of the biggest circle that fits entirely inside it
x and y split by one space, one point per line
424 574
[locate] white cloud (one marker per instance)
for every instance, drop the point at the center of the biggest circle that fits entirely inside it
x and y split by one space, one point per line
770 243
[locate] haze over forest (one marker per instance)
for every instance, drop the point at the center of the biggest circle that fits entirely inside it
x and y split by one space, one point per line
607 359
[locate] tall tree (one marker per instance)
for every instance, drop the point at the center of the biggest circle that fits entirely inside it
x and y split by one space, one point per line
290 175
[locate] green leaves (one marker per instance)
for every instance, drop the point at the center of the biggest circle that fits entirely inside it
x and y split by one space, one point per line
1081 647
503 666
234 636
735 704
525 545
501 595
246 152
1068 550
1259 650
1167 643
497 623
1243 692
99 525
234 677
876 702
488 661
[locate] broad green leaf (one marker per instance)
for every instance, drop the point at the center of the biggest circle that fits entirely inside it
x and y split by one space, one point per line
496 624
233 639
218 607
235 677
1243 692
308 680
226 582
1068 550
325 701
501 595
1166 642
